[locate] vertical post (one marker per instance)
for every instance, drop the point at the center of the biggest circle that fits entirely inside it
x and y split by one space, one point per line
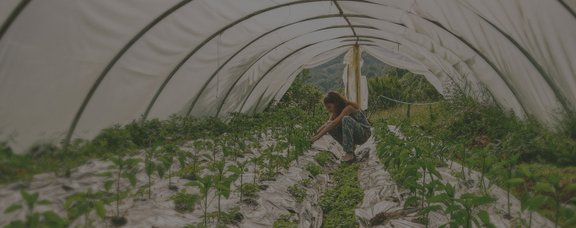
357 72
430 110
408 111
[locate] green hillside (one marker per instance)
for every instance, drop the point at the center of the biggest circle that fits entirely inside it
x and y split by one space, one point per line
328 76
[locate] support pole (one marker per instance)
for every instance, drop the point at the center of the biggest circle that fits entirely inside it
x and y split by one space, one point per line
357 77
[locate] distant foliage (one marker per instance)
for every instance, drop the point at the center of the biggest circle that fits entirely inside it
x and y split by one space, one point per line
328 76
400 85
301 95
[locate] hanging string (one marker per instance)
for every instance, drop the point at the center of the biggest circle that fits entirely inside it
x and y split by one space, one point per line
404 102
218 62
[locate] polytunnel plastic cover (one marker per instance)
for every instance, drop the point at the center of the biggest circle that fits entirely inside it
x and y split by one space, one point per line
69 68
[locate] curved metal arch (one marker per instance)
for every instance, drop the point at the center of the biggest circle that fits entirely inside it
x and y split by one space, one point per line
282 60
342 46
459 38
250 43
492 65
286 57
253 63
140 34
346 19
274 66
249 94
475 50
565 5
344 0
10 19
486 59
561 98
113 62
208 39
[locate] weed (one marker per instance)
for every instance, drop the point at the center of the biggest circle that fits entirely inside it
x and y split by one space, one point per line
286 221
313 169
298 192
338 203
323 157
185 202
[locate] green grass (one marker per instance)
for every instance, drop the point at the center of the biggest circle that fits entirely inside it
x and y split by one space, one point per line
338 203
313 169
323 157
298 192
285 221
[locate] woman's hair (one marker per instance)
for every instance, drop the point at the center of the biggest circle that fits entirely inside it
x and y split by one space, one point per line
340 101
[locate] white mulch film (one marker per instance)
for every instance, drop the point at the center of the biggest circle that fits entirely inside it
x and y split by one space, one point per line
381 194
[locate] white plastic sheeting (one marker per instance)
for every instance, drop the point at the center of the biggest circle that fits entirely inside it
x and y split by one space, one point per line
74 67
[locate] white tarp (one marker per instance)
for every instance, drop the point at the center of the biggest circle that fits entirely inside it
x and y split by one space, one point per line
74 67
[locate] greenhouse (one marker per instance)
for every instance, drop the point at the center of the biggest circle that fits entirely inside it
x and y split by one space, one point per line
213 113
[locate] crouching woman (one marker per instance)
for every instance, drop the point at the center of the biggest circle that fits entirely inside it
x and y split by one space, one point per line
347 124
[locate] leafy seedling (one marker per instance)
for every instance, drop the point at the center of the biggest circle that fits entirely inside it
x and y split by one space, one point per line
124 169
34 219
84 203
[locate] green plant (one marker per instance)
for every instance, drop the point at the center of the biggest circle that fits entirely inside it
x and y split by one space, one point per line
298 192
125 168
250 189
34 219
204 184
553 191
239 169
83 203
152 165
323 157
185 202
169 152
222 182
313 169
285 221
462 211
338 203
466 213
232 216
306 182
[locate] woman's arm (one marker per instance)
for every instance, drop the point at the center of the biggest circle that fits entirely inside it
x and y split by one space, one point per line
333 123
323 125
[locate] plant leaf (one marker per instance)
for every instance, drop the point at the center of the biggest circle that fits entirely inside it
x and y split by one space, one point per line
12 208
100 209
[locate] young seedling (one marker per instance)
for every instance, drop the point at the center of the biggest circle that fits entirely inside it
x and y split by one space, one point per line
125 168
554 190
239 169
33 218
170 151
151 166
204 184
529 200
84 203
467 212
222 182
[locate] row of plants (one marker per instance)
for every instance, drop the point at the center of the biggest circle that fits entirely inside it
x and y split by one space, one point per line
212 154
339 202
528 160
413 163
